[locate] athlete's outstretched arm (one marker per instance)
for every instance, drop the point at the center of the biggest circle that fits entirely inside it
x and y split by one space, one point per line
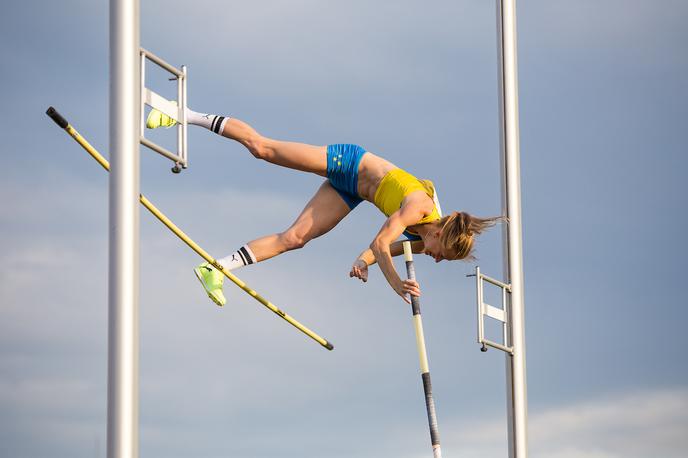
409 214
367 258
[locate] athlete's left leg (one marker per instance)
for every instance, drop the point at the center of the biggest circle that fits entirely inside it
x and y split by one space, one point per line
322 213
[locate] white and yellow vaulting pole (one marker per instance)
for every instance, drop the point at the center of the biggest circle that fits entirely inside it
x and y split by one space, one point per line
423 356
62 122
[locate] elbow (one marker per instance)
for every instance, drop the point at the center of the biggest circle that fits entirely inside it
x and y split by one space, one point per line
377 246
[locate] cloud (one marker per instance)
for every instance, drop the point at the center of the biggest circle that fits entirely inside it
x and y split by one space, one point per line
633 425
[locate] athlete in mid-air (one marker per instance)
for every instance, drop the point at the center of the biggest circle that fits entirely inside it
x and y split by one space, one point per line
353 175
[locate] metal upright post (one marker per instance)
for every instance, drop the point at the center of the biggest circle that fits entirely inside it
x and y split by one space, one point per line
123 348
511 207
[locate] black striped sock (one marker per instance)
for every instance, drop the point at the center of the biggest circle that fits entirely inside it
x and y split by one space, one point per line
217 124
211 122
240 258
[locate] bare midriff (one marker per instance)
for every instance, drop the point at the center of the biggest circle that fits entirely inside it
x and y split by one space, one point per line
371 170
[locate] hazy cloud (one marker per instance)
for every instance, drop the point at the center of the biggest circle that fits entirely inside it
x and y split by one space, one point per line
634 425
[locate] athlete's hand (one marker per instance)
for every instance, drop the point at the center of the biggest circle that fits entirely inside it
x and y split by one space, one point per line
359 270
407 287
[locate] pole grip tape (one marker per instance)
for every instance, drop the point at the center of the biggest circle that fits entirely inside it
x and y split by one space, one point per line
430 406
411 274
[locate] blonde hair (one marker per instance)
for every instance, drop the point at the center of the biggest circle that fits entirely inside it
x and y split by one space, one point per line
458 230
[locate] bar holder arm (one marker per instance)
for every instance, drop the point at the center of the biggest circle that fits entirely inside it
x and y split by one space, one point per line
174 109
500 314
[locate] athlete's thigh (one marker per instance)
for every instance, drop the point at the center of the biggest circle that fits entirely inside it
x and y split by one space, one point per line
298 156
323 212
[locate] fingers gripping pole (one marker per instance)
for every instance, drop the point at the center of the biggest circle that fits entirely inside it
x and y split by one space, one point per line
60 121
423 356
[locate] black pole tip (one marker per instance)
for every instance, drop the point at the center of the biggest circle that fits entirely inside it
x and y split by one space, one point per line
57 117
329 346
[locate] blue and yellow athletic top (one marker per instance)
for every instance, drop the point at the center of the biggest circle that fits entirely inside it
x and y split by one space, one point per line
393 189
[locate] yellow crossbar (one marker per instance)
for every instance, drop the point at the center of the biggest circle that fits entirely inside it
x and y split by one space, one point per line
185 238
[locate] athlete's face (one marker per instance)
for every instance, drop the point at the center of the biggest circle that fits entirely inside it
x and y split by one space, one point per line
434 249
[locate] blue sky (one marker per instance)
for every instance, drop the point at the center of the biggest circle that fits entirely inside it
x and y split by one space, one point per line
603 111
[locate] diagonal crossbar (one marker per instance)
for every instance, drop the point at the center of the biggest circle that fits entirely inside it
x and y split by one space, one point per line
62 122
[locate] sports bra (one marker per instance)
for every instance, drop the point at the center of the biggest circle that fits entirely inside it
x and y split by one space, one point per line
396 185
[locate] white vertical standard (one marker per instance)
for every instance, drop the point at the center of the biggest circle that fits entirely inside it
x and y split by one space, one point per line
511 207
123 296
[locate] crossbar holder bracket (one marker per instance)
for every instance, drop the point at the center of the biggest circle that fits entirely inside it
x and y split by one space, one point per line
174 109
500 314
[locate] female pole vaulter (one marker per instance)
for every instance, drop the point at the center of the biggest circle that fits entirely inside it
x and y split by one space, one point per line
353 175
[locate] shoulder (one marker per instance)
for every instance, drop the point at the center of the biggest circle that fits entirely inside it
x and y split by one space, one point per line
419 200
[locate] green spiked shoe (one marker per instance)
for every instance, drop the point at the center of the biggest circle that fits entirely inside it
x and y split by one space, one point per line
157 119
212 280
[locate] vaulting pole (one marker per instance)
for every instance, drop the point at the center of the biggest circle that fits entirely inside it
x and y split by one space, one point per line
423 356
123 280
511 207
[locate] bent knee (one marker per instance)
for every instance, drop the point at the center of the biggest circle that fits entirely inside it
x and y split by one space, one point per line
292 240
258 146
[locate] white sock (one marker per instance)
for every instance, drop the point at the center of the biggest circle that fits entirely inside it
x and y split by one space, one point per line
240 258
211 122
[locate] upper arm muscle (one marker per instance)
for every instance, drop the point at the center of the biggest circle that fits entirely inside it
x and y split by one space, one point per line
409 214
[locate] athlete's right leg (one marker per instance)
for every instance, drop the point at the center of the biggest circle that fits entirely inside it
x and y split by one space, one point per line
298 156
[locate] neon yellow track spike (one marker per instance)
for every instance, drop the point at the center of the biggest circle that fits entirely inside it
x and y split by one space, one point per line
212 280
157 119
